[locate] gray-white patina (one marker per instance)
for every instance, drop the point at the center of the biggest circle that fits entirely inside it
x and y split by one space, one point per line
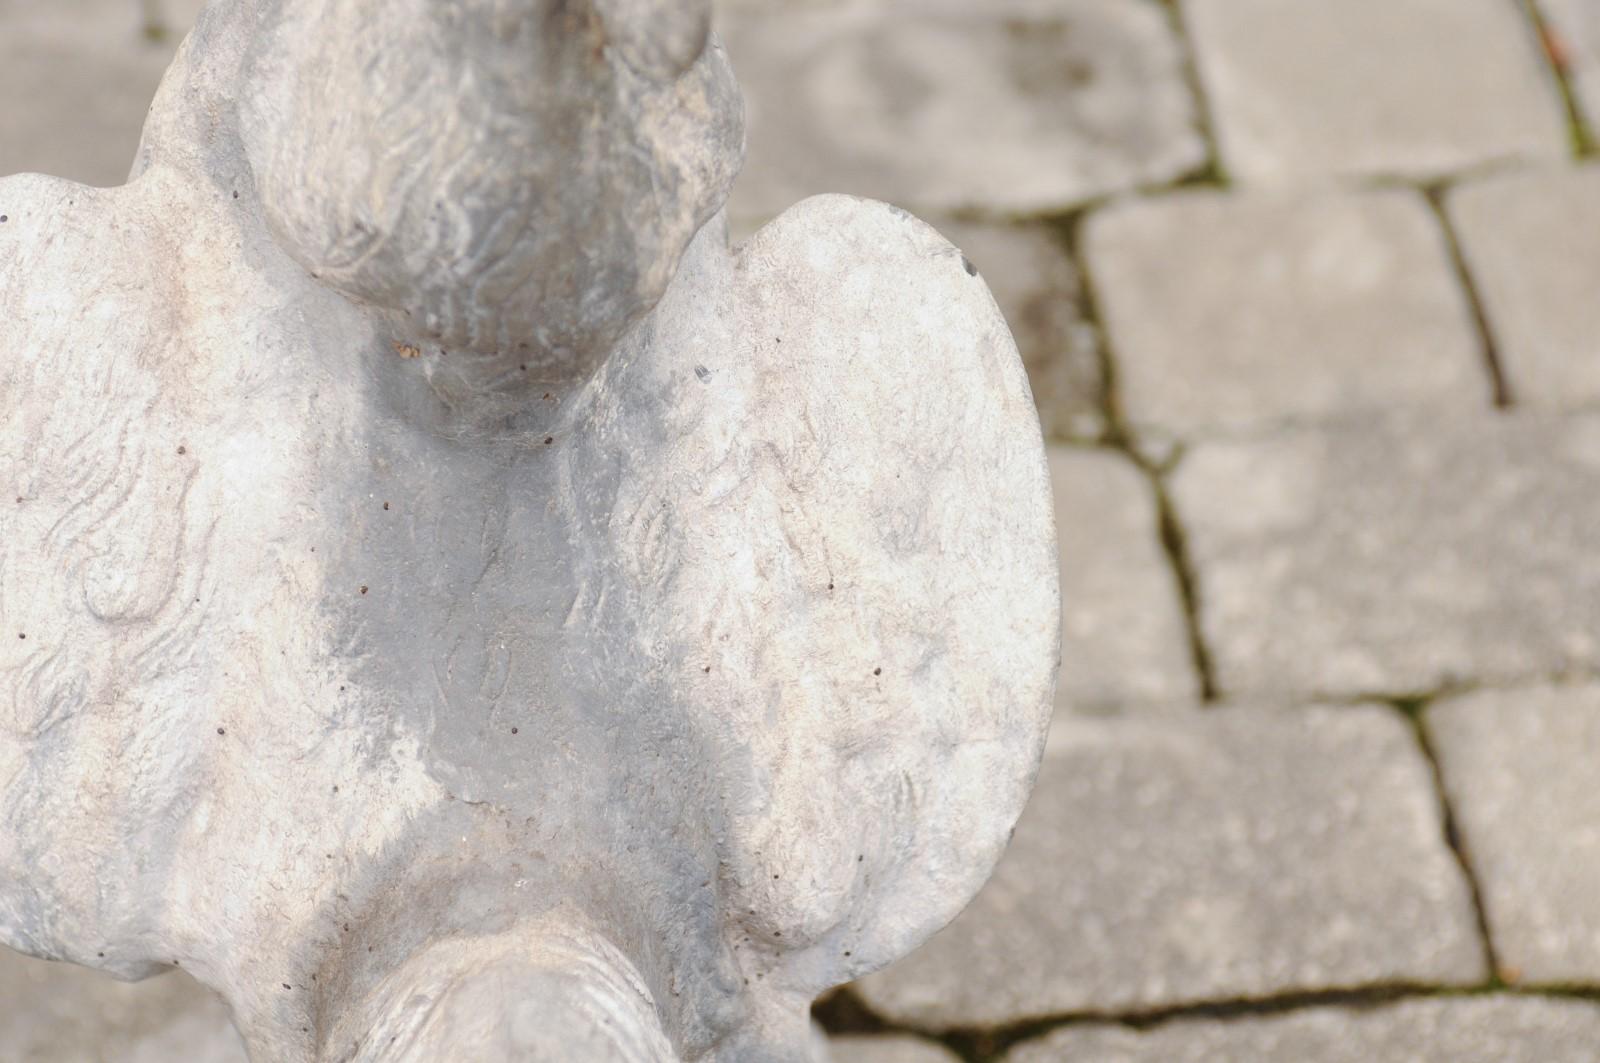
454 605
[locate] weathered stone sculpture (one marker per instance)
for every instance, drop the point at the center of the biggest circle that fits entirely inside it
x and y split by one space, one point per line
456 607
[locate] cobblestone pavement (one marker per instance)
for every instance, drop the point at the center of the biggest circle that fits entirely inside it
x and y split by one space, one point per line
1310 296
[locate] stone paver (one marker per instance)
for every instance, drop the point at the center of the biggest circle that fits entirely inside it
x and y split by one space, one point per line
1396 557
1498 1029
891 1049
1218 855
1532 243
1038 289
59 1013
1234 311
77 77
1123 638
177 16
1520 769
1306 89
945 107
1575 28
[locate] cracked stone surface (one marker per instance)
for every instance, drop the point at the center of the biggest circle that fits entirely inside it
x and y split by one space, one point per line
1041 295
1219 855
1396 557
888 1049
1519 771
62 1013
1304 90
1529 239
945 107
1491 1029
1281 307
1575 26
1124 643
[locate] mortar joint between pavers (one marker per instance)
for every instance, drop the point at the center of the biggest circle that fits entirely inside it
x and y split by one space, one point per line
1068 227
1499 382
1211 172
1121 436
1581 138
1415 711
1175 543
844 1013
993 1043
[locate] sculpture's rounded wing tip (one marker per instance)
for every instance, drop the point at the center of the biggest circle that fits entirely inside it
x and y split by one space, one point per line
876 579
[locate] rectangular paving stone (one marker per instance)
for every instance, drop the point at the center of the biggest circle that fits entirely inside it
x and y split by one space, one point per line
1489 1029
1221 855
1520 770
1124 643
1574 27
1397 557
1038 289
1233 311
1531 240
1007 108
1306 89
